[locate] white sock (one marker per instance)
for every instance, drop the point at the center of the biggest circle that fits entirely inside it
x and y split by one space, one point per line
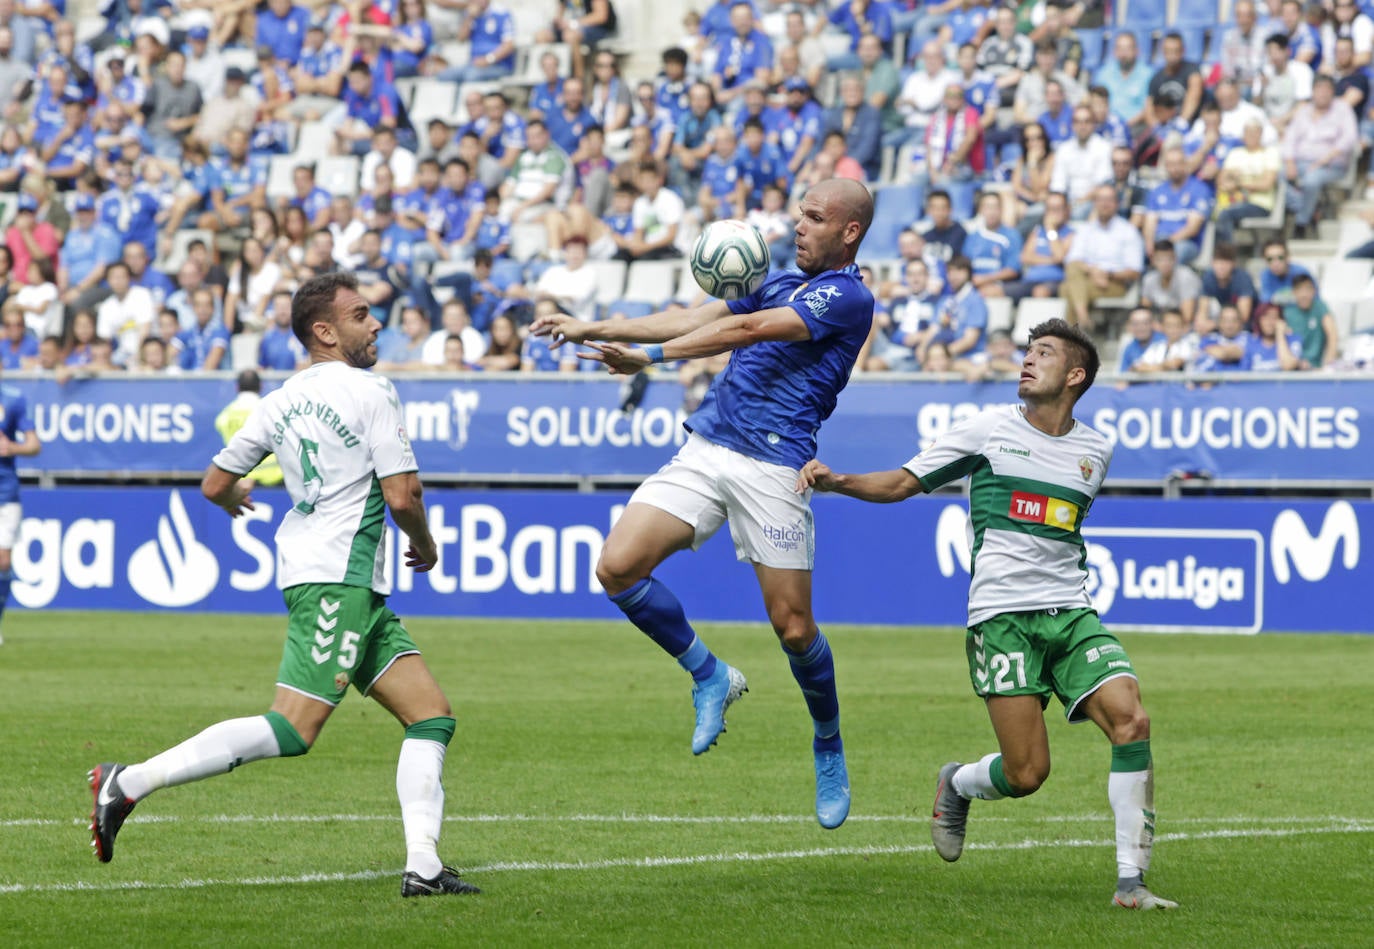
1132 795
218 749
975 780
419 785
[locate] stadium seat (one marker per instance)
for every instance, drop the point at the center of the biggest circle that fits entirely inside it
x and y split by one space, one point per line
688 290
629 309
610 279
1354 232
180 241
1000 315
895 208
527 71
527 241
338 174
1256 228
315 141
245 58
652 281
432 99
279 177
1091 39
1032 312
1346 279
506 272
1363 316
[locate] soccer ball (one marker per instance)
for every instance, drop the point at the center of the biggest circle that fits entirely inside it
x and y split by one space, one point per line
730 259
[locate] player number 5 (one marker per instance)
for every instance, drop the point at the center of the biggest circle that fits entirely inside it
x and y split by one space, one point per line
348 649
1001 665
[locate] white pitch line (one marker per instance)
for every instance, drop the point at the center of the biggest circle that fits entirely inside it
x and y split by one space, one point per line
1344 827
653 819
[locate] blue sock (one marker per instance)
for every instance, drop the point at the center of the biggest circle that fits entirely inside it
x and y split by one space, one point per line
653 608
814 671
6 578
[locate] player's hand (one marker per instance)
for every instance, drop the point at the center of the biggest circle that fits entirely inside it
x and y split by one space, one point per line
422 556
620 359
561 328
815 474
239 501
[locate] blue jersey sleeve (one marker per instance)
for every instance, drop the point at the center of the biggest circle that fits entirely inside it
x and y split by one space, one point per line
831 304
20 410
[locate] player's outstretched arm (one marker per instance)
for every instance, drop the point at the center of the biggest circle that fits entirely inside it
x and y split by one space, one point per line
880 487
404 496
227 490
718 336
654 328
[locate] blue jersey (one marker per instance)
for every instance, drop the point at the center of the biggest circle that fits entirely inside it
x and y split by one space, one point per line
1280 289
671 96
313 203
193 346
966 310
1115 130
792 129
403 59
1058 128
492 233
771 399
1045 273
1264 357
1173 205
991 251
12 356
720 175
1209 363
15 423
546 99
979 90
765 167
284 35
489 31
132 215
1134 350
566 130
544 359
739 60
280 349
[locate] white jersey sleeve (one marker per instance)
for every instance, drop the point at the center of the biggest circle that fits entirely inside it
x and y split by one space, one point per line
386 432
956 453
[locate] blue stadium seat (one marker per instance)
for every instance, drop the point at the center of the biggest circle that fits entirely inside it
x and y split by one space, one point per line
895 208
1094 50
1143 14
506 272
629 308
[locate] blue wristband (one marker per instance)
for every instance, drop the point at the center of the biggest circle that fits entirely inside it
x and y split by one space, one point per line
654 351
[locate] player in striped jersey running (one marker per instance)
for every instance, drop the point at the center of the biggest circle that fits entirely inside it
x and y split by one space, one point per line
1032 630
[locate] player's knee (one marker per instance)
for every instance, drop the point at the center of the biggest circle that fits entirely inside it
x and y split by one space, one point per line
1027 777
795 630
1135 727
614 574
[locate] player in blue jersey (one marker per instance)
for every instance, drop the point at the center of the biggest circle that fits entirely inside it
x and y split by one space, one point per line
794 343
17 437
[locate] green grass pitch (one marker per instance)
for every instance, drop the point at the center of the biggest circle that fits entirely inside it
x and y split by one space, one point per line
574 800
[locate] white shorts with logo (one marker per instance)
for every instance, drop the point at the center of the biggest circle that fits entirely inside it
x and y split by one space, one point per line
707 484
10 516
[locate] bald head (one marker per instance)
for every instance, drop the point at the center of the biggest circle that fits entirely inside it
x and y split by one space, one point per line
836 214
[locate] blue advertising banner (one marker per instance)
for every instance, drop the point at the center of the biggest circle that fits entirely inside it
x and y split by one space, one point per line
1316 429
1190 565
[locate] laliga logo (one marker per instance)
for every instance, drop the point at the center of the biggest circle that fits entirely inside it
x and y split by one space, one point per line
1292 546
1103 580
176 569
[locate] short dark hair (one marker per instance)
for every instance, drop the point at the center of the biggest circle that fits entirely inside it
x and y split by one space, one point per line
1082 349
360 68
1165 245
675 54
938 193
1224 252
314 303
1303 280
249 381
959 262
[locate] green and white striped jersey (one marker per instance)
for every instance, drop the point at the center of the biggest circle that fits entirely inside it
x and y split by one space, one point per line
1029 493
336 431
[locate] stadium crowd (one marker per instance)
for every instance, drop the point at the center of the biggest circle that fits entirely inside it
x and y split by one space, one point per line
170 176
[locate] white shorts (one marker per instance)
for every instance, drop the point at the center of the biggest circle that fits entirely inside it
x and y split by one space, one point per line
706 484
10 516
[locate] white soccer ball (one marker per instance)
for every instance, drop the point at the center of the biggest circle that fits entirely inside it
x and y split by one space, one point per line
730 259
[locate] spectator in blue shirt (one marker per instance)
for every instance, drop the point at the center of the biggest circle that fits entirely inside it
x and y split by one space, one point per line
993 249
70 150
670 87
490 32
157 283
369 103
493 234
410 39
1042 256
797 128
206 343
760 163
129 210
858 17
1057 119
1276 279
88 249
962 318
1224 349
547 94
17 344
745 55
692 142
1144 333
569 118
238 184
1228 284
282 26
310 197
1177 209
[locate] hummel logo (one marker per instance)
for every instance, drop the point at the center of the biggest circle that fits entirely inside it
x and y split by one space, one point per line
326 624
322 639
327 608
320 658
105 798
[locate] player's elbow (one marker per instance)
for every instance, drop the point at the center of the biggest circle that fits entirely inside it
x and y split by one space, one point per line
404 496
